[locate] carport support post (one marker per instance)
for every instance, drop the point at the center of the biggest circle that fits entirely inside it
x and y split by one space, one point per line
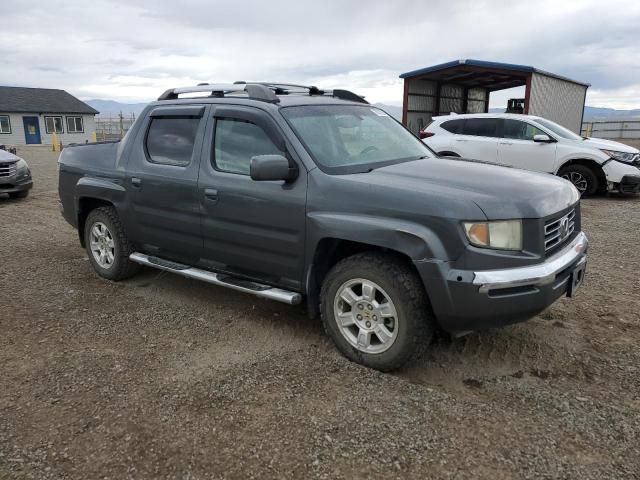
405 102
527 94
438 85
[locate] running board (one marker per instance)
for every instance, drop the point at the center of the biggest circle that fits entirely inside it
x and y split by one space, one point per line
257 289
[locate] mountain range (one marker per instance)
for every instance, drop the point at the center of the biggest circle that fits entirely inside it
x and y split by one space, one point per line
111 108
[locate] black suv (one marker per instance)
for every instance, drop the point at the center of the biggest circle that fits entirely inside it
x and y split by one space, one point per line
290 193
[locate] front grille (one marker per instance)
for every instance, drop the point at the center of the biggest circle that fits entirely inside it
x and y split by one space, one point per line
8 169
558 230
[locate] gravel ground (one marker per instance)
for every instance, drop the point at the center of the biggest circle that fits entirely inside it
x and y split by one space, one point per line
163 377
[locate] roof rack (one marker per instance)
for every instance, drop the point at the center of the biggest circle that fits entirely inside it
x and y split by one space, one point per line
263 91
256 91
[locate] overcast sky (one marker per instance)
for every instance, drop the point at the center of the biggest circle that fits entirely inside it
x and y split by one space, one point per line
133 51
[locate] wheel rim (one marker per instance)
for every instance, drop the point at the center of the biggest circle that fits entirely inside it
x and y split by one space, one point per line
366 316
578 181
102 245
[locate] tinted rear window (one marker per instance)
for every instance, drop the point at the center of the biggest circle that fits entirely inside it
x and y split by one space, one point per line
453 126
170 140
481 127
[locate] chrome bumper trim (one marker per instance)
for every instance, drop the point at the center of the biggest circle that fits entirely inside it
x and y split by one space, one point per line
540 274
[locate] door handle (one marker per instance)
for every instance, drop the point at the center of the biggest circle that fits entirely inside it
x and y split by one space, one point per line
461 140
136 182
506 143
211 194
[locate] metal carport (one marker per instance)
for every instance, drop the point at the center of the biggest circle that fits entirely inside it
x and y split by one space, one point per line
463 86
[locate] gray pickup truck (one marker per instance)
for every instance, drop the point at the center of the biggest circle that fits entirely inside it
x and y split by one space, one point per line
293 193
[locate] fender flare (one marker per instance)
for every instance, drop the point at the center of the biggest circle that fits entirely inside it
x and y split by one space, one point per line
101 189
414 240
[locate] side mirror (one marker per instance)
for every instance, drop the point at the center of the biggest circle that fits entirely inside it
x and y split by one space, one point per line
542 139
271 167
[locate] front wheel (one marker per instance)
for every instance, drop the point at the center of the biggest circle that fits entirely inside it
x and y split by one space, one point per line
582 177
375 309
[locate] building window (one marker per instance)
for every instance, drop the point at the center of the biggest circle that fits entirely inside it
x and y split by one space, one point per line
5 124
53 125
74 125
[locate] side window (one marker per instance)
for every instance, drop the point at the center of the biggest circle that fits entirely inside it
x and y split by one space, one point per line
236 142
517 130
453 126
481 127
170 140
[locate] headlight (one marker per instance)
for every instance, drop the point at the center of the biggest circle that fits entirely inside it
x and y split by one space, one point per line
22 167
623 157
502 235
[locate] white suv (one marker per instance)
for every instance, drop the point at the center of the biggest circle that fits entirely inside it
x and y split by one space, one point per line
534 143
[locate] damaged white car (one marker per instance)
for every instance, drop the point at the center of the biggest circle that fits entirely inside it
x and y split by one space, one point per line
534 143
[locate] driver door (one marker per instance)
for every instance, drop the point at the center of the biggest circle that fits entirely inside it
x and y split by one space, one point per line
253 229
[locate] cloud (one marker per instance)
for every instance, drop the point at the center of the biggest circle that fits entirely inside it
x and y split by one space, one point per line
133 51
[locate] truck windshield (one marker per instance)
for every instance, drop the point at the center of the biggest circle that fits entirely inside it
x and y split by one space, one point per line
352 139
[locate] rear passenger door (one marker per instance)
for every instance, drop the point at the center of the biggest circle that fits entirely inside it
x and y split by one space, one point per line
479 139
162 176
253 229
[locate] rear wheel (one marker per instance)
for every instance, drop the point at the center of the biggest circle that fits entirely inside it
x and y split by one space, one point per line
374 308
582 177
107 245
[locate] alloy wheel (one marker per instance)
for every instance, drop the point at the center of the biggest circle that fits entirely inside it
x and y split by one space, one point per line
578 180
102 245
366 316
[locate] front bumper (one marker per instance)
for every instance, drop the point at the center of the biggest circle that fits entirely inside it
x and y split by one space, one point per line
13 185
629 184
475 300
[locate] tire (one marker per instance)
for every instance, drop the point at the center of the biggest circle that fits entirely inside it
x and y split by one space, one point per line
411 326
582 177
109 238
23 194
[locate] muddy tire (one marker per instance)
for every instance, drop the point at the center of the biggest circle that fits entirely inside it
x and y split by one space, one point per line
375 309
107 245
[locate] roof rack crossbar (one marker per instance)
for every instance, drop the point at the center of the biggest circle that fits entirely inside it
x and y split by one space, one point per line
263 91
256 91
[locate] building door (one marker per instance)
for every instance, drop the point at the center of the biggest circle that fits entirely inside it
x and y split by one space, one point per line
31 130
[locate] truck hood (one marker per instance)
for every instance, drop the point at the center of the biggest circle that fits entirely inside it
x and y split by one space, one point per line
500 192
609 145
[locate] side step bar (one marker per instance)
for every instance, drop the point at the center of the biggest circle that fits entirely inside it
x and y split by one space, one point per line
257 289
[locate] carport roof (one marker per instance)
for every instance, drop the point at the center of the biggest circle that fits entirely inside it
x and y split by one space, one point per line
479 73
41 100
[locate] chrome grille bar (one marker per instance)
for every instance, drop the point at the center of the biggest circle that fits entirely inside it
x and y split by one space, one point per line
554 234
8 169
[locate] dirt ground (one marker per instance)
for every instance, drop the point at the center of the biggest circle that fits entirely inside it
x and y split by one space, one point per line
163 377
